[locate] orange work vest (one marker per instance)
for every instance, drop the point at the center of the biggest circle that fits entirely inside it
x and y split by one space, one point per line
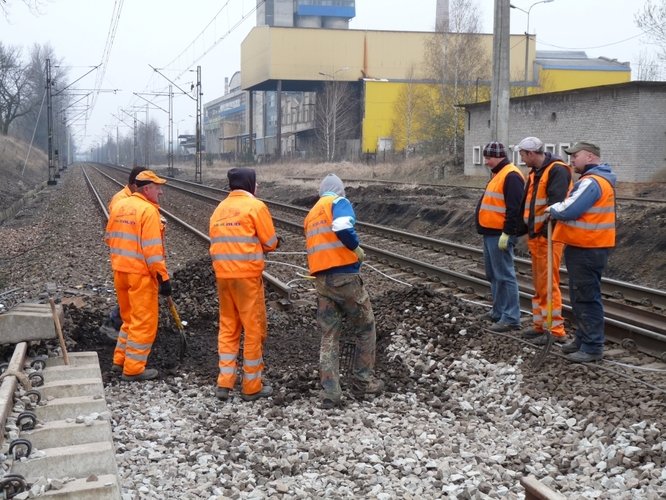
492 212
596 227
134 234
325 250
120 195
541 198
241 230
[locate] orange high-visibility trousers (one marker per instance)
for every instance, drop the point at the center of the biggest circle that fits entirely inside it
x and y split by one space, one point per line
538 248
137 298
242 306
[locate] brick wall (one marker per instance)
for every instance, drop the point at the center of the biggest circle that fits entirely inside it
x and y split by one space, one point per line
627 121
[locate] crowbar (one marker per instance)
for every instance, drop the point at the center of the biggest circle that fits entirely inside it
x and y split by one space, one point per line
538 361
179 326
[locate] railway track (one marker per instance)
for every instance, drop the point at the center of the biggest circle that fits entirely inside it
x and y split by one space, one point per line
635 315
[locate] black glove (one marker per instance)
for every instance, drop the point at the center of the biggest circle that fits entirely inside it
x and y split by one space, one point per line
280 241
165 288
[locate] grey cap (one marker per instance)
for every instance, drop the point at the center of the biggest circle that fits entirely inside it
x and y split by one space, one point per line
530 144
583 146
332 184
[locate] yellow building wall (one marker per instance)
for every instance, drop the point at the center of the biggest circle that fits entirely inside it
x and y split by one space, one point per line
380 99
554 80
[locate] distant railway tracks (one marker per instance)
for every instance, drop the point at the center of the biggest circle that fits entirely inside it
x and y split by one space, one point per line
635 315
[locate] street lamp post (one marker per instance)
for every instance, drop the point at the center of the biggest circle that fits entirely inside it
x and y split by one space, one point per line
527 34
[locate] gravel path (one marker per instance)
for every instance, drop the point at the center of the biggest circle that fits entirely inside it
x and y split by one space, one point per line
464 416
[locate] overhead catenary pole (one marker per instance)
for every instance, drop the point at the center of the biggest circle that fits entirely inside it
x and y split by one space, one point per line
197 156
499 99
170 149
49 123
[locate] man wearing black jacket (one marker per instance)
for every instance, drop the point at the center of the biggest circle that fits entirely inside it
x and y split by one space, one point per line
497 219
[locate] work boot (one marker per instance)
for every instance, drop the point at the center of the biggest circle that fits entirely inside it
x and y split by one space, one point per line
544 338
265 391
532 333
148 374
329 404
109 330
116 368
583 357
222 393
570 348
360 388
488 316
503 327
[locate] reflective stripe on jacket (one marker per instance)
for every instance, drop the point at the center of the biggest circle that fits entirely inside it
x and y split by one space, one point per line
241 230
536 202
325 250
596 227
492 211
134 234
120 195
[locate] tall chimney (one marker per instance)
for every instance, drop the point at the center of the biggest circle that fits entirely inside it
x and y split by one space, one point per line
442 16
226 85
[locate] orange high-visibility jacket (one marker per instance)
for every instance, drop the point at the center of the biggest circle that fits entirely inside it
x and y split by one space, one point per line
134 234
541 198
492 211
325 250
596 227
241 230
120 195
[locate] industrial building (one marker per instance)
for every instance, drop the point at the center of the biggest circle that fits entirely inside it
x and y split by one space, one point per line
301 47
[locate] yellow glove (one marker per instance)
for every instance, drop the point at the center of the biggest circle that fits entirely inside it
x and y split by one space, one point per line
503 242
359 253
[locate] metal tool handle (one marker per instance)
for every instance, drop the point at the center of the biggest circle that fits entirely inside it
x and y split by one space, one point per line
549 293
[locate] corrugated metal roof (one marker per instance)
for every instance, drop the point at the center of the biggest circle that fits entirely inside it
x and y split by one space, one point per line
577 60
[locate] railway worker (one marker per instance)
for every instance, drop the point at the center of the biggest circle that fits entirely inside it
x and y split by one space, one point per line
548 182
113 322
498 219
135 235
241 232
334 259
586 225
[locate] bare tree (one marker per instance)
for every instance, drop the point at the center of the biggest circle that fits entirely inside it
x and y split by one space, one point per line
457 61
335 116
15 87
411 115
648 68
652 20
33 5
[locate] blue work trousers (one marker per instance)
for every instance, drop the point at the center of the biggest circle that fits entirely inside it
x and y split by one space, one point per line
501 273
585 266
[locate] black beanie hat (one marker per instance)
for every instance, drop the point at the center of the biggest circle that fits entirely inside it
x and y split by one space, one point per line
242 178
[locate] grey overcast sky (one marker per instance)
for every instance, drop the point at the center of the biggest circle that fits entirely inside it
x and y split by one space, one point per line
177 36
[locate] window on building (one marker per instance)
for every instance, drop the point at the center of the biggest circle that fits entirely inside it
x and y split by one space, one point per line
563 154
476 155
549 148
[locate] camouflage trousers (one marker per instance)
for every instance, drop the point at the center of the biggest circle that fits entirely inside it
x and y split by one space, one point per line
343 297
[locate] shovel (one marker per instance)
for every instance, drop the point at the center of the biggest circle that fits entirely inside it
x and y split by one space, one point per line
538 361
179 326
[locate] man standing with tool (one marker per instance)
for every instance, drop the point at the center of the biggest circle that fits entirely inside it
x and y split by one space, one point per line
334 259
241 231
548 182
586 225
135 235
113 322
497 219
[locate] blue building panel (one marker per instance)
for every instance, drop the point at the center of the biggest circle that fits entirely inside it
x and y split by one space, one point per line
326 11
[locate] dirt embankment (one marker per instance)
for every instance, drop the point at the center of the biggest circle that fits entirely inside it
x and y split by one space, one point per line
18 176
